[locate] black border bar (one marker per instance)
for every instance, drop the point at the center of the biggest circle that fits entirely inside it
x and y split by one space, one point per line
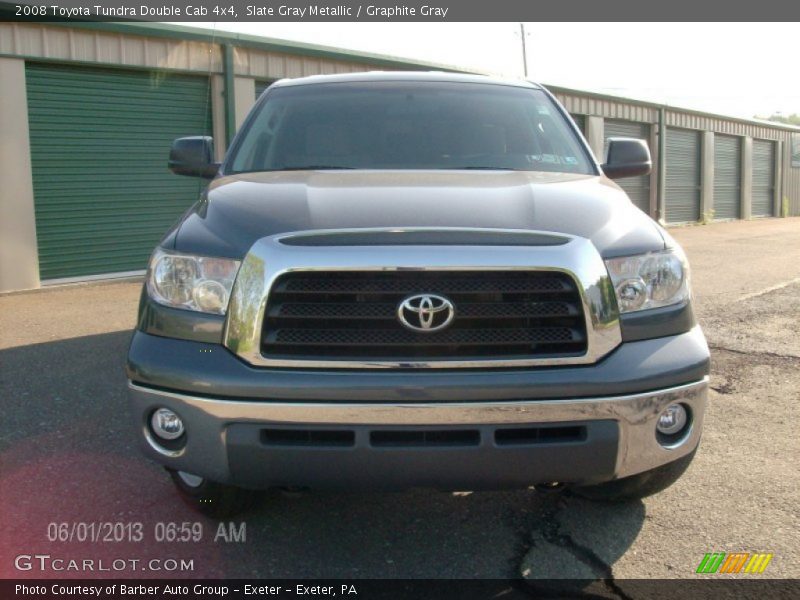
747 586
402 11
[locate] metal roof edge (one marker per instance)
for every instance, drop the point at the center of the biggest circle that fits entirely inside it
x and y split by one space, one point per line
167 30
184 32
669 107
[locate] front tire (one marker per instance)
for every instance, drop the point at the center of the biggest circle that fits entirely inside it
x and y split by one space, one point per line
215 500
637 486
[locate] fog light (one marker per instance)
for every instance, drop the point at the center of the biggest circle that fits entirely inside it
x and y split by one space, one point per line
672 420
166 424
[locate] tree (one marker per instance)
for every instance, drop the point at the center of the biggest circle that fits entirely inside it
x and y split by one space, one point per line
793 119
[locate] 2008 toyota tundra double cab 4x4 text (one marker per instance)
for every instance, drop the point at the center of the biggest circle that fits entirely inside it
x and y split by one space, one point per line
404 280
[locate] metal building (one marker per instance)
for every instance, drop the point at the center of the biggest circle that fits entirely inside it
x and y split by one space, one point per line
706 167
88 110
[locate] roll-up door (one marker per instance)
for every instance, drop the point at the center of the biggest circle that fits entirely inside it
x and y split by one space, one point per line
637 188
683 176
99 146
727 177
763 178
580 121
262 85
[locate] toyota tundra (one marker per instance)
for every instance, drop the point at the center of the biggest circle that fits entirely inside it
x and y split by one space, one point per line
400 280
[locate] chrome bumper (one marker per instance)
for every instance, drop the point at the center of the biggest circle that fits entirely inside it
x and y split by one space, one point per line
208 420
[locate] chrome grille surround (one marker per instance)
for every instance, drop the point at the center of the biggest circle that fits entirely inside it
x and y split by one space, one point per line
269 258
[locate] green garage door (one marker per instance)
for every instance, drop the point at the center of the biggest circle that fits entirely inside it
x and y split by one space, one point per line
763 178
99 145
637 188
683 176
727 177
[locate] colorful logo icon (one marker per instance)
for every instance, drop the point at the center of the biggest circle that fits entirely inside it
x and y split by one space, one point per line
736 562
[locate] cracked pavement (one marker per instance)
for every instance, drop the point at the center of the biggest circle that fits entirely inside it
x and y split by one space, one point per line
67 453
742 492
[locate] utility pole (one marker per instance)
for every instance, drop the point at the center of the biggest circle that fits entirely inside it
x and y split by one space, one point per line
524 52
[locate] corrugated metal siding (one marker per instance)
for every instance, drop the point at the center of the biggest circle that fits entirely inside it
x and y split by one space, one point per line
60 43
763 178
99 145
689 120
586 105
683 176
637 188
255 63
727 177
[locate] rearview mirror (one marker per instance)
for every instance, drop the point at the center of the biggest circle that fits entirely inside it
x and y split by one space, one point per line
627 157
193 156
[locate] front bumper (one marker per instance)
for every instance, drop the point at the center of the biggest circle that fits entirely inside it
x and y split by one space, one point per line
447 445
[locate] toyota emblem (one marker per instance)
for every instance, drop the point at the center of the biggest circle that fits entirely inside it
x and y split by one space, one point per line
426 312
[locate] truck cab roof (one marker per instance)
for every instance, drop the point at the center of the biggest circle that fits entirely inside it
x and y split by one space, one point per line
421 76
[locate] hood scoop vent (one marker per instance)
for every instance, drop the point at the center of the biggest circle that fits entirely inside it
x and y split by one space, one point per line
424 237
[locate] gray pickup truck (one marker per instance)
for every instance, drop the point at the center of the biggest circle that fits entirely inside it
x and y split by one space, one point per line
403 280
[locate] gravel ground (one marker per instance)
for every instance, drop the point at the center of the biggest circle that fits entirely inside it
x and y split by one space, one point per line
67 455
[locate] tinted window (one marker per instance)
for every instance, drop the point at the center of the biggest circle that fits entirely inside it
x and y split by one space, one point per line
408 125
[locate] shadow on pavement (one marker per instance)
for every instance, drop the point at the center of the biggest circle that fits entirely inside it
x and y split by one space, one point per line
69 456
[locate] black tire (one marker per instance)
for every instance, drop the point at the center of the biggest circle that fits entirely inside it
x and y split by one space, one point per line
215 500
637 486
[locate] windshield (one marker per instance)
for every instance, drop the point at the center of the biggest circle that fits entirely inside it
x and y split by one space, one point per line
408 125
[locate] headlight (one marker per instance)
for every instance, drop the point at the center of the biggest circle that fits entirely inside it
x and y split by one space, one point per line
191 282
649 280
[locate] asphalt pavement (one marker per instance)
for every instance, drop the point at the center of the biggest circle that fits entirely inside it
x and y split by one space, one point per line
68 456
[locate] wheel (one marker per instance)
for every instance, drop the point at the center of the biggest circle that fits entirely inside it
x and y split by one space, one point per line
215 500
637 486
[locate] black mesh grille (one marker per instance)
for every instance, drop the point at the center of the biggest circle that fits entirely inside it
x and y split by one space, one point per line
353 315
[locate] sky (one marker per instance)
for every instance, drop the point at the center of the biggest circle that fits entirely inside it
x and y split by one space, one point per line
737 69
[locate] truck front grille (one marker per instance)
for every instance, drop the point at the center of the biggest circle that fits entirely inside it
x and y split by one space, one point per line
353 315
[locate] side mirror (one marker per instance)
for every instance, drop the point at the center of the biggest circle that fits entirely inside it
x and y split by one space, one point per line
193 156
627 157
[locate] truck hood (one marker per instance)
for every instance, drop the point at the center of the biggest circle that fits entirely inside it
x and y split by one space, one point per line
235 211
